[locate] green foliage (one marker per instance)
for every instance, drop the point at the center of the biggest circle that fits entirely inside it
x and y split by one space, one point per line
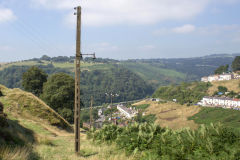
189 93
236 64
33 79
232 94
222 69
85 115
149 141
119 80
58 92
147 118
11 76
112 110
142 106
222 89
227 117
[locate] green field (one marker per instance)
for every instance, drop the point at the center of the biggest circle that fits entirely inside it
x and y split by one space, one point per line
155 74
227 117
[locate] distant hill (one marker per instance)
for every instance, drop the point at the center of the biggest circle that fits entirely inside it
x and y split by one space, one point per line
151 72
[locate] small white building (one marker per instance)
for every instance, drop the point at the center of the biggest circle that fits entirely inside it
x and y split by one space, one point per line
204 79
127 112
100 112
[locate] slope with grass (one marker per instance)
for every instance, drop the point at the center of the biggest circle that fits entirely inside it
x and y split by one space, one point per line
19 103
171 115
232 85
35 132
227 117
154 74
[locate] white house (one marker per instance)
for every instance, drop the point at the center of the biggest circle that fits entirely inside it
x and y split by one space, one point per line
221 77
212 78
128 113
225 77
204 79
220 102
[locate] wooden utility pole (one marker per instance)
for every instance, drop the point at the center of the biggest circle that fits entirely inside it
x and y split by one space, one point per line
77 82
91 114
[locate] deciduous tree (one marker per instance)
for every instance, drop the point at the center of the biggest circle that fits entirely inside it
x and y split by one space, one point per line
33 79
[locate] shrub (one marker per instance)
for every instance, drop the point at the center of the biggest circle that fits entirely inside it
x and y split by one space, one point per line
149 141
222 89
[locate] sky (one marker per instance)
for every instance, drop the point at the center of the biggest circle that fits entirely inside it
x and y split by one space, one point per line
119 29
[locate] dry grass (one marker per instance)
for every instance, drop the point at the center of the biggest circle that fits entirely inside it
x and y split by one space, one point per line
63 149
18 153
18 102
50 142
172 115
232 85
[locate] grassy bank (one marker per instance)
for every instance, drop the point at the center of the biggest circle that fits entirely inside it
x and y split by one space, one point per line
172 115
227 117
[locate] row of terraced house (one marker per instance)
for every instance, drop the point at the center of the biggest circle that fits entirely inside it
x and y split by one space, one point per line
223 102
221 77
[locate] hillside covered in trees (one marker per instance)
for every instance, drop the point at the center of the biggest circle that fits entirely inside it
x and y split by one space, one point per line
96 82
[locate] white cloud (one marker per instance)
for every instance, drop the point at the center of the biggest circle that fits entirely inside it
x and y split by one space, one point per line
6 15
113 12
187 28
208 30
184 29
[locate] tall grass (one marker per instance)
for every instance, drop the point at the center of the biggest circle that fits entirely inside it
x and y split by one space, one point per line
15 153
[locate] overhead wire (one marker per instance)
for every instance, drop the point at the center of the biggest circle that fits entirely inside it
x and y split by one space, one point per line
31 33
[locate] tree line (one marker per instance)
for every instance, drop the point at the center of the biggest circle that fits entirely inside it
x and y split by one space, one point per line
57 90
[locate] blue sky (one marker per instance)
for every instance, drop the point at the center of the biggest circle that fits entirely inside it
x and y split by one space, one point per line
119 29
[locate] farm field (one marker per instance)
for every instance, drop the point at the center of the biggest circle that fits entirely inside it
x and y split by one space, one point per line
172 115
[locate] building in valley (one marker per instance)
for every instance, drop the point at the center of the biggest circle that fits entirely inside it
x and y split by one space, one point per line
223 102
127 112
221 77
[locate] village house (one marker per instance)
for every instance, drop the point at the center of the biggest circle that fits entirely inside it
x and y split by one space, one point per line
223 102
127 112
221 77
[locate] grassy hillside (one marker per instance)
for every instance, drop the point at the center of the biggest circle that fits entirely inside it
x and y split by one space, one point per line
232 85
178 116
171 115
35 132
227 117
155 74
154 71
23 104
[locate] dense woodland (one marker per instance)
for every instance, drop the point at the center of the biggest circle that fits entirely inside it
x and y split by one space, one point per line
11 77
